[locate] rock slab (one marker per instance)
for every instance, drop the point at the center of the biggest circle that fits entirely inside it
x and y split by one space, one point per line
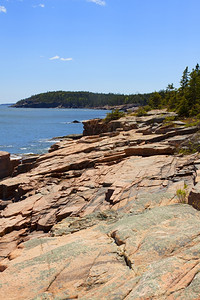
104 217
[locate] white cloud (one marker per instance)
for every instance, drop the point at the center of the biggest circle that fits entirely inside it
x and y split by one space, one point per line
61 58
66 59
98 2
55 57
39 5
3 9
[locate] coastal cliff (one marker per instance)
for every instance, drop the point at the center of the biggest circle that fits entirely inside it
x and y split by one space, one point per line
112 215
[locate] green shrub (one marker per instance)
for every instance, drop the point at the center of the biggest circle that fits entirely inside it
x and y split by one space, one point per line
114 115
142 111
182 194
169 119
194 123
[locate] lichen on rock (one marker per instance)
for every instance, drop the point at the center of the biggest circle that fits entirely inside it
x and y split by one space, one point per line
99 217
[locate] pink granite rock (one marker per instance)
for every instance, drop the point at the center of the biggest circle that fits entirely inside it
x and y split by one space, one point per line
5 164
99 218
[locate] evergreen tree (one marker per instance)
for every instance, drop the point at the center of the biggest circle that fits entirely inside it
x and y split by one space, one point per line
184 79
170 87
197 68
191 90
189 93
170 97
155 100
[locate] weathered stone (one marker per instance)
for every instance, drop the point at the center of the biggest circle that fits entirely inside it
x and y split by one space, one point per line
110 260
194 196
9 242
98 218
3 204
5 164
147 150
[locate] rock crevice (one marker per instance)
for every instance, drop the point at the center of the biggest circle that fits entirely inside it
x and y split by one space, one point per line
110 216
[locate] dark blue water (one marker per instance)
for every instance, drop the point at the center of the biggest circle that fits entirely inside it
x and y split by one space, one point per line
30 130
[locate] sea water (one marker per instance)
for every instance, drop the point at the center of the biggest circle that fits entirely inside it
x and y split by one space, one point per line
30 130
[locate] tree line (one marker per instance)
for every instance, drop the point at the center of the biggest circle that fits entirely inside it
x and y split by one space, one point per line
185 100
81 100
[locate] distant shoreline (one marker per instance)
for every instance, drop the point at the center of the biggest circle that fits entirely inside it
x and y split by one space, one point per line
124 107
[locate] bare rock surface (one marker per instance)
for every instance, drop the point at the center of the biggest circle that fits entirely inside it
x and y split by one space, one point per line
97 126
151 255
104 217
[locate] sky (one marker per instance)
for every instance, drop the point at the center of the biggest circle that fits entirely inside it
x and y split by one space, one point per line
106 46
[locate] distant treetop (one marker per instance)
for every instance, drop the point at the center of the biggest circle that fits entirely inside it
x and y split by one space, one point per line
80 100
185 100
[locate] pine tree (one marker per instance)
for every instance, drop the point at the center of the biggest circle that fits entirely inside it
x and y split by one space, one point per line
192 91
197 68
184 79
155 100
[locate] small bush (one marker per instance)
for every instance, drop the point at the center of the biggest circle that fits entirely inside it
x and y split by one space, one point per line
182 194
192 121
190 145
142 111
191 149
169 119
114 115
195 123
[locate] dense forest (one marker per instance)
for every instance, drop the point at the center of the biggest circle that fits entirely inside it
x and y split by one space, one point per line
185 100
81 100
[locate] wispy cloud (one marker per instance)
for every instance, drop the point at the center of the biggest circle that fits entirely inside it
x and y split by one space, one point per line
3 9
66 59
54 57
39 5
60 58
98 2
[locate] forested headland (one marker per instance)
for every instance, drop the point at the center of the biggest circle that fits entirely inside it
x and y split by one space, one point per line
63 99
185 100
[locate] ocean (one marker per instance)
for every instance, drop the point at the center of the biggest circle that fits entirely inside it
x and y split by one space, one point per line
30 130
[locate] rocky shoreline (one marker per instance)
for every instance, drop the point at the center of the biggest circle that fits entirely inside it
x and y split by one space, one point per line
110 215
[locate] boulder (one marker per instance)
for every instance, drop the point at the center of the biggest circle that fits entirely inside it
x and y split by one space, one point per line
194 196
5 164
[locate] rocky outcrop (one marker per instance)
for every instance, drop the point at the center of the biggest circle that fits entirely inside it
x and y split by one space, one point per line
104 217
25 165
98 126
7 165
194 195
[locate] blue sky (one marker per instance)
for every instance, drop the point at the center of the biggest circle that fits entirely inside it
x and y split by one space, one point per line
120 46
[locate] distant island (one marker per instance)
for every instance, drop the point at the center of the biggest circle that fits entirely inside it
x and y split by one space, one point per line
184 100
7 104
62 99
